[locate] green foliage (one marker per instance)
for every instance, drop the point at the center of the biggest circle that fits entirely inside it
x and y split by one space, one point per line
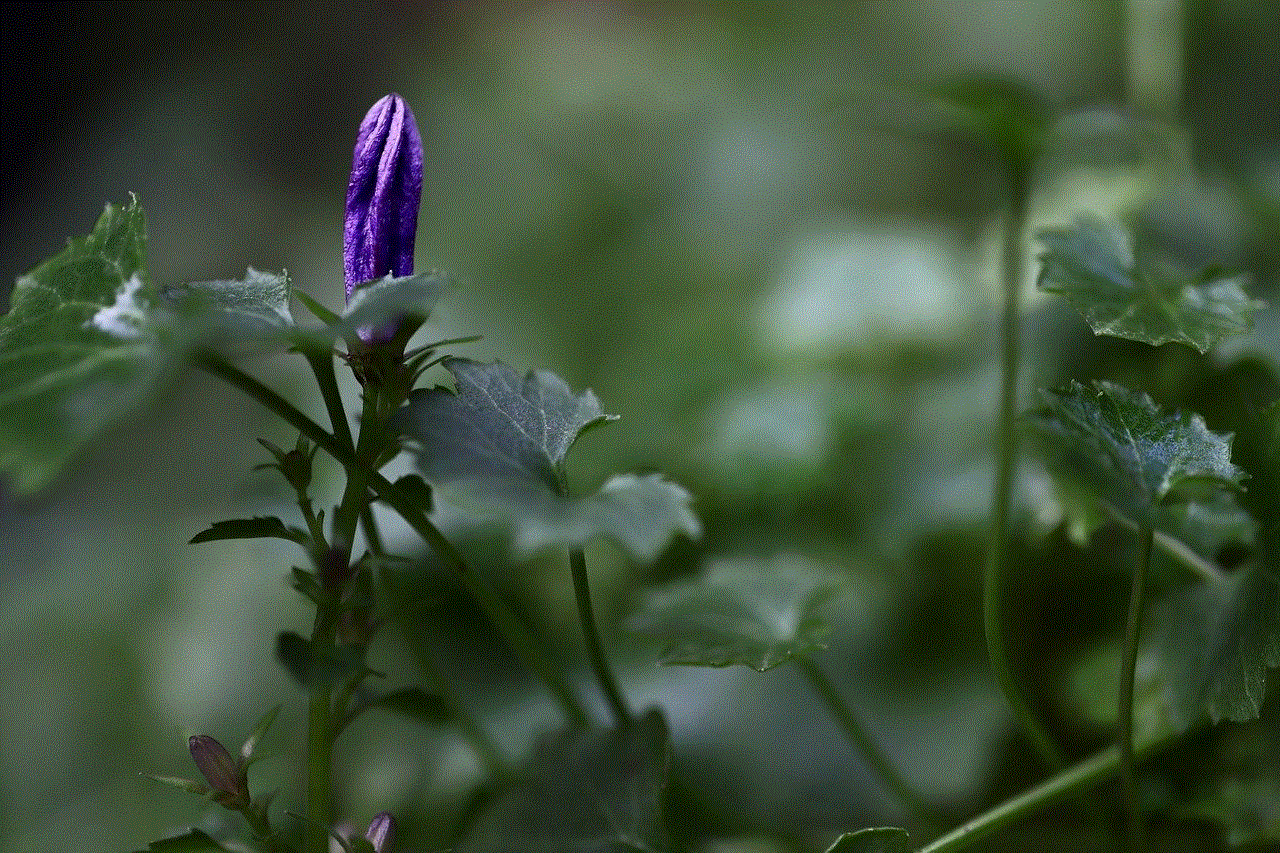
251 528
1133 457
755 613
256 306
78 348
193 841
598 790
311 664
430 709
1093 264
880 839
1009 117
497 447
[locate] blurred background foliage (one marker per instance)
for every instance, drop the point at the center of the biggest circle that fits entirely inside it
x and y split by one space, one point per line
726 219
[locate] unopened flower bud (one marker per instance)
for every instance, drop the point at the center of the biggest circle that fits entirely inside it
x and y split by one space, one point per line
221 770
382 832
382 201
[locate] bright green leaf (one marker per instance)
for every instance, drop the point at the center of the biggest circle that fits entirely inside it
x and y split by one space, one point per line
267 527
192 841
78 349
880 839
1216 642
754 613
1093 265
589 790
1134 456
496 449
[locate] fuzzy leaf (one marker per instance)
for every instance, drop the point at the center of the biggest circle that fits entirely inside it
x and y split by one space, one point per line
253 307
78 349
375 302
496 449
1002 114
754 613
1217 642
880 839
589 790
1093 265
250 528
1135 457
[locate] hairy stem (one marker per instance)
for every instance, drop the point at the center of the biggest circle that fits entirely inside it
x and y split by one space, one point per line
591 633
997 552
1128 666
907 796
511 628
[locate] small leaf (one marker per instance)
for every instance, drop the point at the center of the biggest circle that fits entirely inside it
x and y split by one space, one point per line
193 841
312 666
256 306
251 743
78 349
1093 265
251 528
1217 642
587 790
189 785
1133 456
417 490
880 839
375 302
757 614
430 709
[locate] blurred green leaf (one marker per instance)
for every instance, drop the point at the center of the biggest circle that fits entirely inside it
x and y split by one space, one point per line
250 744
1134 457
1217 642
496 448
596 790
430 709
267 527
1009 116
880 839
1090 691
311 665
1092 263
193 841
1246 809
189 785
754 613
78 348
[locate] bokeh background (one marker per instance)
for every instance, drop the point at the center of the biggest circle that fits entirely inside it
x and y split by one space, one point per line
718 216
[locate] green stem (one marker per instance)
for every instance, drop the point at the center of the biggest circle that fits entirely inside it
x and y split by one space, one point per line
993 580
319 750
1074 780
591 633
908 798
321 362
1128 667
511 628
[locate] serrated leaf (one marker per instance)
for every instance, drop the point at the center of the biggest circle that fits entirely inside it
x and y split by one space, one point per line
1134 456
1092 264
1216 642
266 527
78 350
192 841
880 839
754 613
590 790
430 709
496 449
311 665
256 306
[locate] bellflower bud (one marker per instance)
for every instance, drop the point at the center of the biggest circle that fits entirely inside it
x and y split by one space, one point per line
382 832
223 773
382 200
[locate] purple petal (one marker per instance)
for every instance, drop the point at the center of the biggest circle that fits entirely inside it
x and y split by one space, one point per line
382 832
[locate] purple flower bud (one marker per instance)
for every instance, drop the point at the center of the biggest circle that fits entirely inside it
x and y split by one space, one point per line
220 769
383 197
382 832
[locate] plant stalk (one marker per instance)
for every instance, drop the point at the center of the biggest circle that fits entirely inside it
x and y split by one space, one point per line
591 633
320 750
907 796
511 628
1128 668
1013 269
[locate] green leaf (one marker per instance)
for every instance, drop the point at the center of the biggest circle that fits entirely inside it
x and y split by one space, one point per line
1090 691
1006 115
193 841
375 302
1216 643
183 784
430 709
316 666
1134 456
251 743
256 306
267 527
589 790
880 839
1246 809
754 613
1093 265
496 449
78 349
